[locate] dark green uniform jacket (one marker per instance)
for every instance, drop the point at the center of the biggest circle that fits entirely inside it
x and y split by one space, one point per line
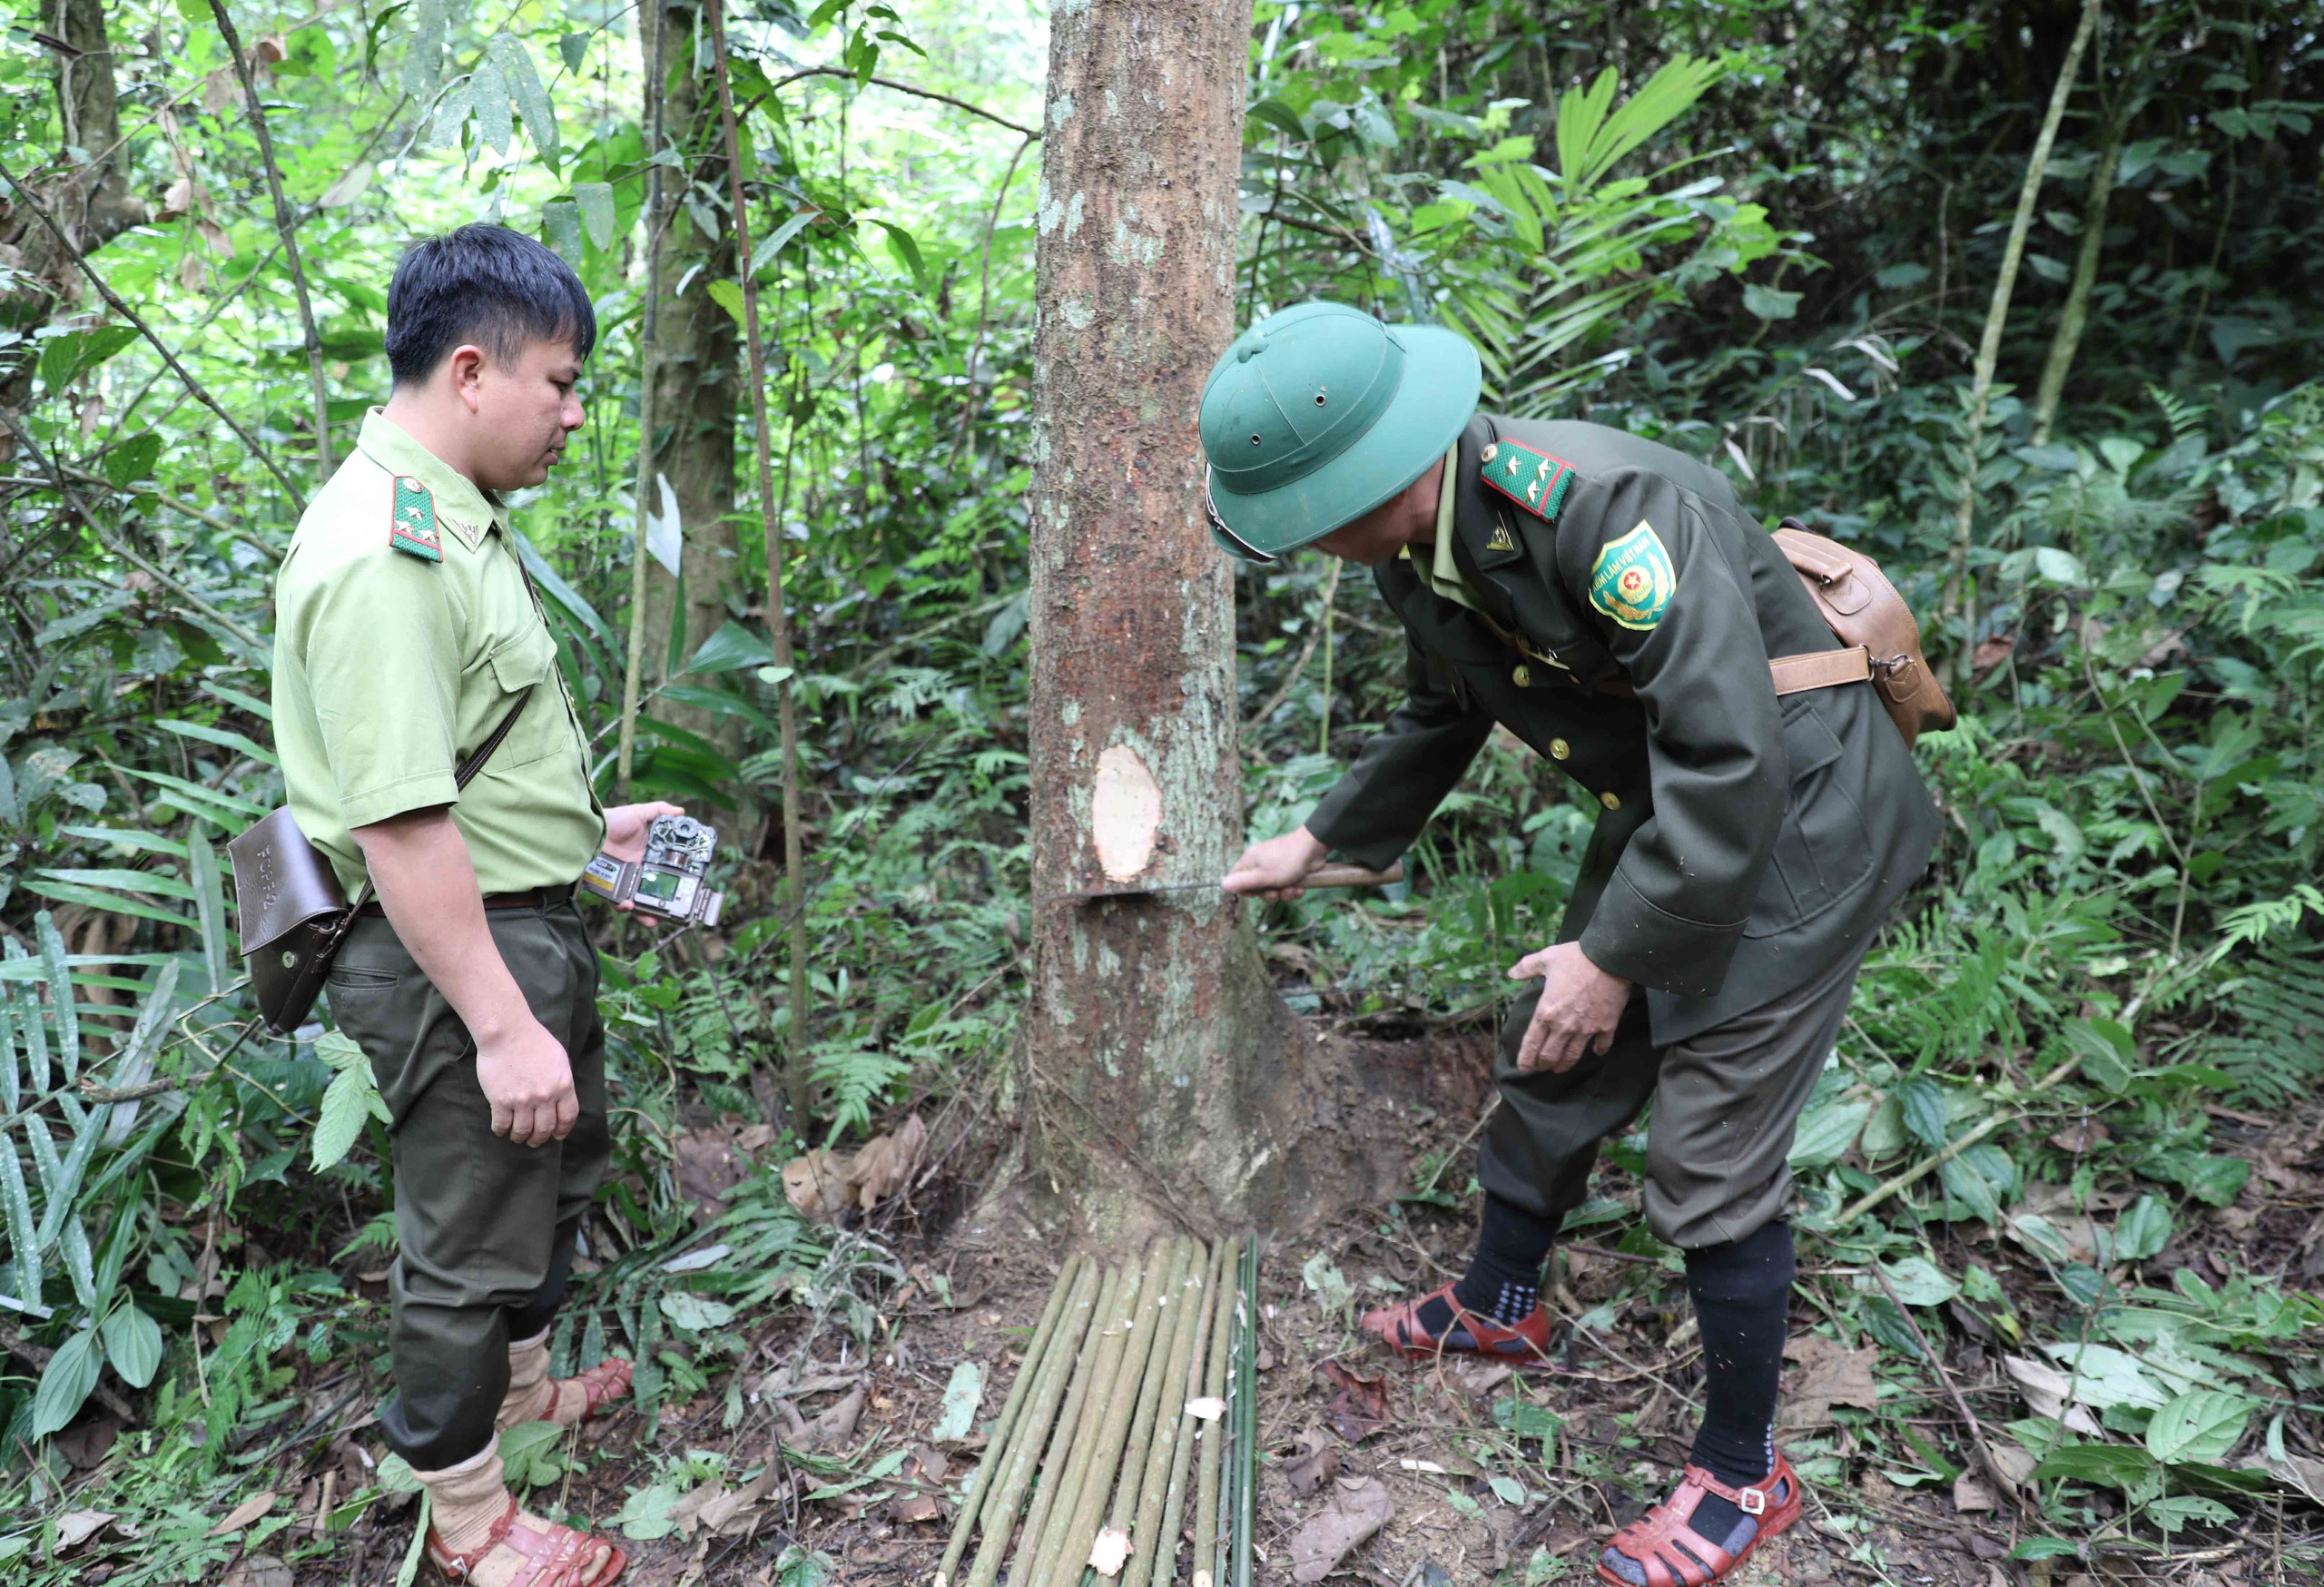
1744 843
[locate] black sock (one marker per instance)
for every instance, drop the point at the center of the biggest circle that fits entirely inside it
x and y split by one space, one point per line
1742 1295
1504 1278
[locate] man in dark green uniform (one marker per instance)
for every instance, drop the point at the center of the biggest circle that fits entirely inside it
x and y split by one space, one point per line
1605 599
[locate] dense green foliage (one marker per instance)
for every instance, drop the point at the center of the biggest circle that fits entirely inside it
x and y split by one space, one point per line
1763 233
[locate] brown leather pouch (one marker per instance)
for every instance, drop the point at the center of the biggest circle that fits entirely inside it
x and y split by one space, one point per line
1863 610
292 911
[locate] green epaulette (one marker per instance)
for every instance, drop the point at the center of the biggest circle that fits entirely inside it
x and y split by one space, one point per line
1534 480
411 522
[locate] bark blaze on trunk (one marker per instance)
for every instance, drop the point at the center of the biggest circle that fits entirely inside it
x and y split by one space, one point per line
1164 1076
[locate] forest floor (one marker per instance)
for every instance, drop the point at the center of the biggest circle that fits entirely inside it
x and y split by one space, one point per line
1495 1479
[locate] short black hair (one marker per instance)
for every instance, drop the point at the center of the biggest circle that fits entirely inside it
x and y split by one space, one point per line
484 284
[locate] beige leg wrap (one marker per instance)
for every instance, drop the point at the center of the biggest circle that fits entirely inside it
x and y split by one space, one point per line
466 1499
530 1393
466 1502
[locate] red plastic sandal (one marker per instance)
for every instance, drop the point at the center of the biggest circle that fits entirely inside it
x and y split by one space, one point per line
554 1555
1398 1327
600 1387
1669 1552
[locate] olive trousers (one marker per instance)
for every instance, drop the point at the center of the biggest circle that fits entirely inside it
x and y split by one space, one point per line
485 1227
1726 1103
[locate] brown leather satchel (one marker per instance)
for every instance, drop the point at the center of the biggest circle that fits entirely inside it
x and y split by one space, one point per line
292 912
1864 612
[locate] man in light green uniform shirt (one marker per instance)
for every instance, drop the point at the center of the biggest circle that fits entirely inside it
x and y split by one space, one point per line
408 635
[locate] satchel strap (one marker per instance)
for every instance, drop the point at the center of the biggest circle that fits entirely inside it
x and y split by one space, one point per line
465 773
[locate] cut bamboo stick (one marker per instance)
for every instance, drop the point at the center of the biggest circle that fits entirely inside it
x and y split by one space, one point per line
1246 1434
1154 1526
997 1442
1172 1305
1213 1436
1059 1482
1073 1527
1061 1369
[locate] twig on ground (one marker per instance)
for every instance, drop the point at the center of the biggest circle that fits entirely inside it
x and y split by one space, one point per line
2002 1480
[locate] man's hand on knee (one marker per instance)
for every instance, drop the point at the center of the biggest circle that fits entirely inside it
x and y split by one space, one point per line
528 1080
1580 1007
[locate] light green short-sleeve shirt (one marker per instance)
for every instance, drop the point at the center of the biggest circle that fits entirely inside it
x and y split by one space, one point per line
390 667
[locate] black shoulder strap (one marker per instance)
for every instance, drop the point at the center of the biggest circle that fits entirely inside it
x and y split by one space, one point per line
465 773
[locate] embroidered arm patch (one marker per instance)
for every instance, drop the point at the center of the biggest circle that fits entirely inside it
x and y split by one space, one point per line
1632 580
411 522
1534 480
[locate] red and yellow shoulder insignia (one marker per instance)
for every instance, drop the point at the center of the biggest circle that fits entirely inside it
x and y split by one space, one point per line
1531 479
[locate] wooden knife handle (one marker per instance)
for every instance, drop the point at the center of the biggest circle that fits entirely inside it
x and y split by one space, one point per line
1354 876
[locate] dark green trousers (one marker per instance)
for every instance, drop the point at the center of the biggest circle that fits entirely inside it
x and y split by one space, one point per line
1726 1103
486 1227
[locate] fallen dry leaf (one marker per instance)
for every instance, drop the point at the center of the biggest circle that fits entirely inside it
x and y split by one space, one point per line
2044 1388
1830 1374
75 1527
1479 1378
1317 1462
1972 1496
1110 1553
916 1507
726 1513
258 1570
243 1513
822 1184
1361 1407
832 1429
2080 1136
1360 1506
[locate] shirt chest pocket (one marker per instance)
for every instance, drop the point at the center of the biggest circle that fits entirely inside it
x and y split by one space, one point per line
520 667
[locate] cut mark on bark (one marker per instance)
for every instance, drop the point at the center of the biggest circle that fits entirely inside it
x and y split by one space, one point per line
1125 813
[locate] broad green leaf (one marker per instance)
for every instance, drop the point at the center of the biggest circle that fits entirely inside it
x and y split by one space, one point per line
773 244
1922 1103
2115 1466
347 188
528 1452
134 1065
596 199
351 1098
133 459
1771 303
561 230
2105 1377
1918 1281
731 647
66 359
109 902
24 1239
2143 1230
66 1382
2202 1424
697 1312
133 1344
573 48
210 907
729 297
1273 112
488 93
423 58
526 92
906 251
957 1412
1825 1133
61 1007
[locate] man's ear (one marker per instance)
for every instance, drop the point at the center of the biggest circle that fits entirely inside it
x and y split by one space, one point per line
466 373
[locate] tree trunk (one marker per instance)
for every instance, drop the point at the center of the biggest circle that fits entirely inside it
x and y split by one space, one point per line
1165 1079
694 362
91 202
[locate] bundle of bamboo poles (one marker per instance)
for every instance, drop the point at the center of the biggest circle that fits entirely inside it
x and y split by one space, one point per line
1129 1373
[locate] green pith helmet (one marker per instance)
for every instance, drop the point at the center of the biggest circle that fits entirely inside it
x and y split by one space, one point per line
1318 415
